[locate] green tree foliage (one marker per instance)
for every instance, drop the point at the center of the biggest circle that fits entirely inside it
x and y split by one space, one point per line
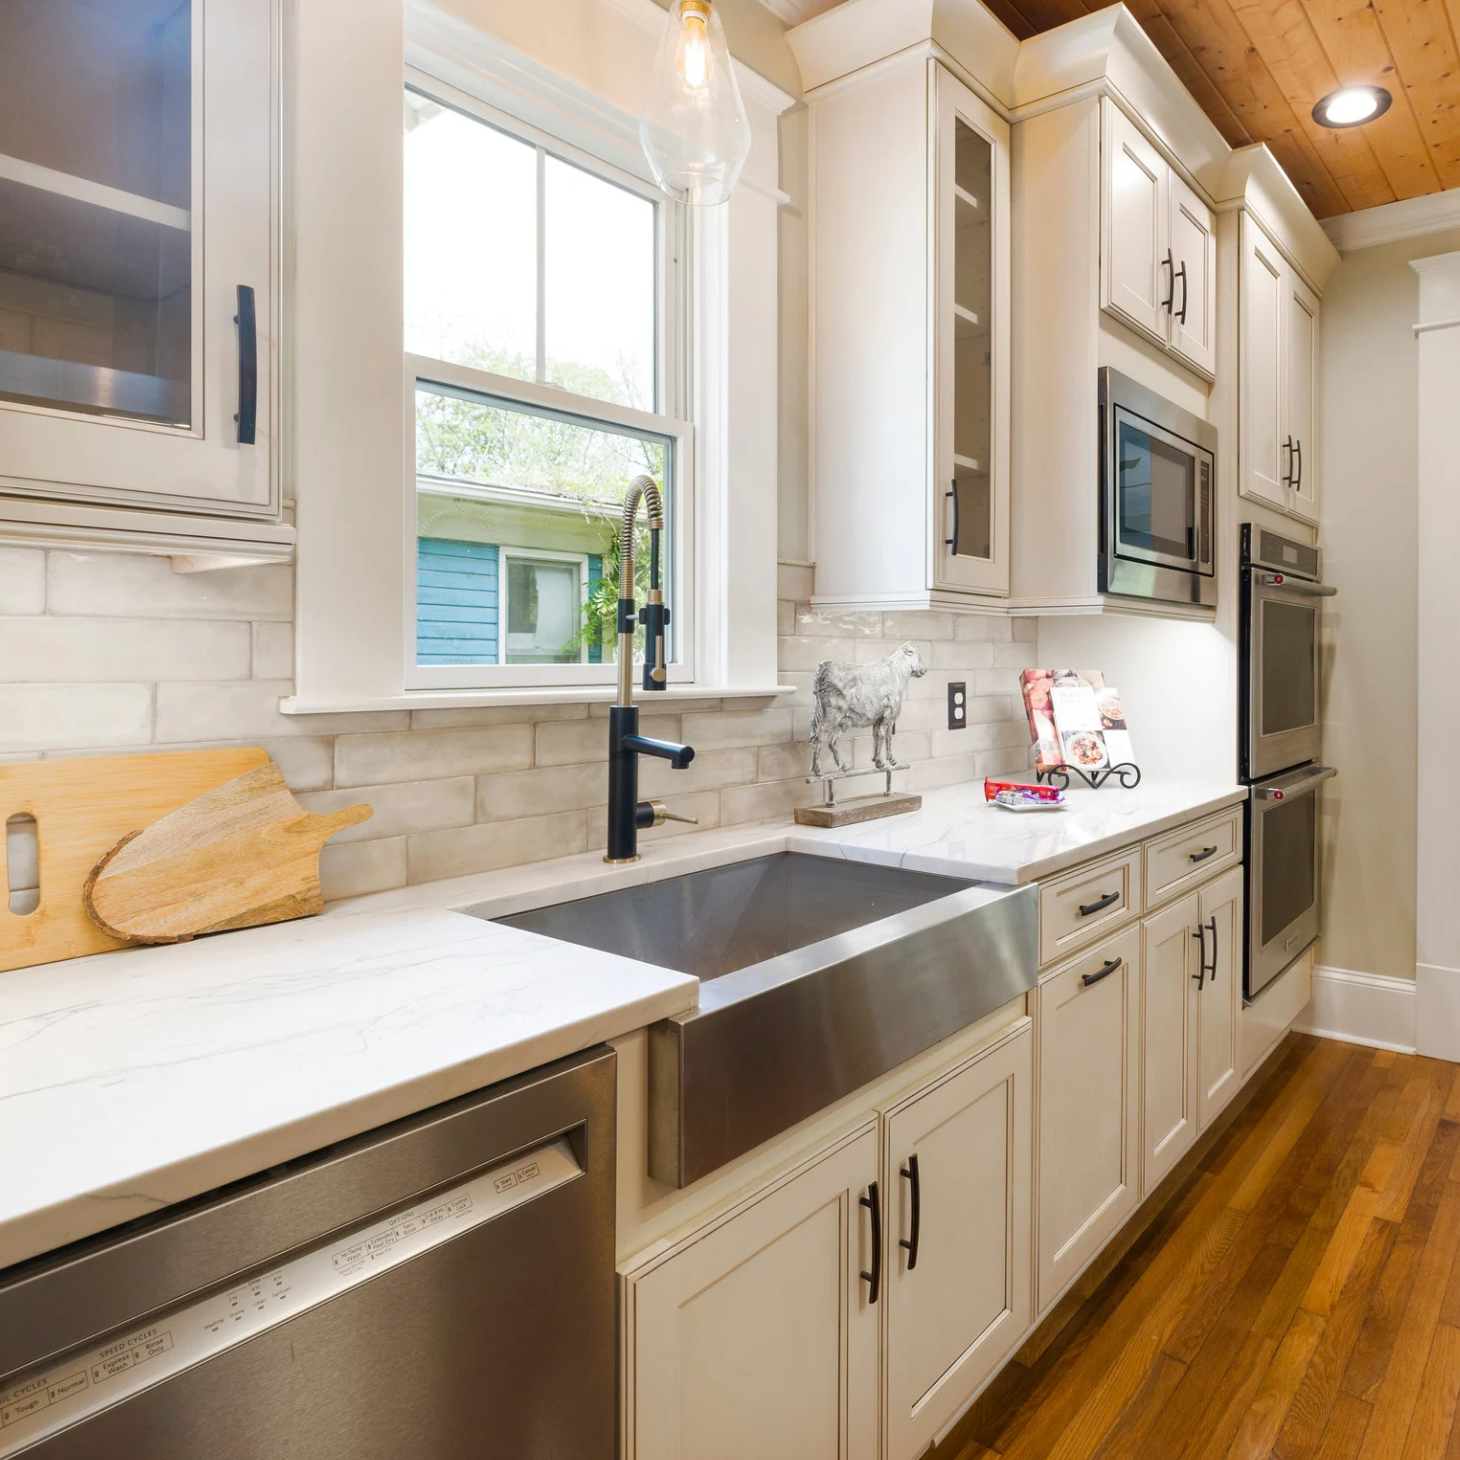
479 441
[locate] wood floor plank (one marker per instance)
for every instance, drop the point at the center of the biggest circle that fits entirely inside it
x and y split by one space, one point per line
1127 1437
1342 1250
1416 1144
1346 1428
1394 1405
1264 1417
1434 1410
1370 1359
1223 1415
1318 1395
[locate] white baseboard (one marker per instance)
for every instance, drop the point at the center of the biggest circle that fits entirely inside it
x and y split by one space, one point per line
1362 1008
1437 1010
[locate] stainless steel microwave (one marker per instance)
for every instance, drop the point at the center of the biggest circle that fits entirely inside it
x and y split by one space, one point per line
1157 495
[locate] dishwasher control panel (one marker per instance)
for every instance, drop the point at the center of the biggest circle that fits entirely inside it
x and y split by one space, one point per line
66 1391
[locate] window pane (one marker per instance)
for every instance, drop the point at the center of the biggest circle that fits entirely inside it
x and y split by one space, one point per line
96 276
600 270
517 526
470 242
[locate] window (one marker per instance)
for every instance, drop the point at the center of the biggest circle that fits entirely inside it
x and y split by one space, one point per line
542 323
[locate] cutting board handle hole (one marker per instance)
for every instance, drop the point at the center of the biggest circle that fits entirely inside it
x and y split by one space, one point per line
23 863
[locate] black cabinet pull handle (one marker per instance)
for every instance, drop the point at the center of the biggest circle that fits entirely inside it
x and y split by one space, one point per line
1298 457
1086 908
874 1278
1185 287
1103 972
910 1173
1202 855
1288 475
953 541
1200 975
248 366
1212 971
1169 262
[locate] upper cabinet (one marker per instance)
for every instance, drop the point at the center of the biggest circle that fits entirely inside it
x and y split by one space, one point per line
910 321
1278 334
1158 254
138 271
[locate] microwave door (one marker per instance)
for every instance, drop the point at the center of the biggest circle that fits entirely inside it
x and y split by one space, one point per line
1156 507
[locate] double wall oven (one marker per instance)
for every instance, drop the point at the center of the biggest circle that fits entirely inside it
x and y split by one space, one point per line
1280 646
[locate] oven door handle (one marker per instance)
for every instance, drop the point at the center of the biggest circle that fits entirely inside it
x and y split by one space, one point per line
1311 780
1298 585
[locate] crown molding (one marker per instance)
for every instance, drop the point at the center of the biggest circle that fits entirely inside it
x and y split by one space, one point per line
1408 218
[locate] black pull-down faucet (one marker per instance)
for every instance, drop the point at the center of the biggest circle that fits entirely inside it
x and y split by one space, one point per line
626 813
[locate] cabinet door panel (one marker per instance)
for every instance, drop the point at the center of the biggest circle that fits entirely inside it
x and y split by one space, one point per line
953 1318
971 335
159 187
1136 278
1300 381
1194 287
756 1337
1168 1039
1263 470
1089 1107
1219 1056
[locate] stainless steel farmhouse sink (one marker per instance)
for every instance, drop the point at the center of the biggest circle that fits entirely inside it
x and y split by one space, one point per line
819 975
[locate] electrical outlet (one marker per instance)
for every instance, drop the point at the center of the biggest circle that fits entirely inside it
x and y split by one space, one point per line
958 706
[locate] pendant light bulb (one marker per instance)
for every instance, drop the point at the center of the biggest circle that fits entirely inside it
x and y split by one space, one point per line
694 129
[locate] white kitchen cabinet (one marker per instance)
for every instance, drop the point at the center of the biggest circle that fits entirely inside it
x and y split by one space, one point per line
755 1335
1159 252
1278 343
957 1174
1219 995
1088 1177
910 340
1168 1038
1300 384
140 179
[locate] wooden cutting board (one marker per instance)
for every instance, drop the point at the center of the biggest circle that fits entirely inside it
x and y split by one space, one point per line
82 808
242 854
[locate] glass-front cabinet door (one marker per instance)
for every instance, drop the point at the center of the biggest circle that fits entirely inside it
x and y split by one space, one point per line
971 340
137 251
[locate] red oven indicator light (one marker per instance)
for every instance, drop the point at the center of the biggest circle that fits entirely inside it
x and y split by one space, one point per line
1277 795
1277 577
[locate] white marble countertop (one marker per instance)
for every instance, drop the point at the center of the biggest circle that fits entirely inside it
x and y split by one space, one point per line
132 1080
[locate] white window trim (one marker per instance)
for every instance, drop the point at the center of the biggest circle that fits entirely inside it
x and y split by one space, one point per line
348 441
533 555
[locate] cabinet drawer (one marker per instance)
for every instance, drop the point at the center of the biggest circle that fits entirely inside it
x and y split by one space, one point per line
1190 854
1081 905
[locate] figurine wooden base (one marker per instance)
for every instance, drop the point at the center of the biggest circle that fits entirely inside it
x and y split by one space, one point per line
859 808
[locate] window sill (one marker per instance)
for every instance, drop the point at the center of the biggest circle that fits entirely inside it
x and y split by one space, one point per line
472 699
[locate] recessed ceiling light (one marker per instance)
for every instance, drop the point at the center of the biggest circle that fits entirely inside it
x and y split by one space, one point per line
1352 106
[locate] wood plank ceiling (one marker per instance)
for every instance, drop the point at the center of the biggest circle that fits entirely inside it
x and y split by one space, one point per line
1258 66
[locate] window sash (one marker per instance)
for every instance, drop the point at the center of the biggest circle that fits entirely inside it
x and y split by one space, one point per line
670 421
551 399
506 554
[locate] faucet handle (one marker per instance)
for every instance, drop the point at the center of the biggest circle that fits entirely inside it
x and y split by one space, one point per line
662 814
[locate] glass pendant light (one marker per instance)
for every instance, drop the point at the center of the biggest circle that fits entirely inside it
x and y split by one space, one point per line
694 130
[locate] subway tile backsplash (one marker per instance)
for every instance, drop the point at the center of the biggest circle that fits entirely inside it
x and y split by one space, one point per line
105 652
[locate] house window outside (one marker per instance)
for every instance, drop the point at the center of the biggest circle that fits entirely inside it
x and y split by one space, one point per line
537 310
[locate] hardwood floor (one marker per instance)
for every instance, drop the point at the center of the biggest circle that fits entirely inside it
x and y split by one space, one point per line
1294 1294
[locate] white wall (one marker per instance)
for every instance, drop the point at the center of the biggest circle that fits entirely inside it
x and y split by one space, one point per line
1369 534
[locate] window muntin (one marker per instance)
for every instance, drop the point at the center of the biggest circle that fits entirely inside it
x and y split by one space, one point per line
538 389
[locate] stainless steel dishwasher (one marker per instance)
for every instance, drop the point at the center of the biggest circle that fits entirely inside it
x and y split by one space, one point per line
437 1289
